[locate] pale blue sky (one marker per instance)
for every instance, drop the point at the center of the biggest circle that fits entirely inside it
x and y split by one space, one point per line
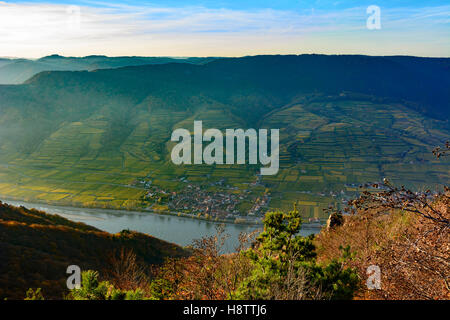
35 28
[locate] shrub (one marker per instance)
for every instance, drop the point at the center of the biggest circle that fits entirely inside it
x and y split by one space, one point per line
93 289
284 265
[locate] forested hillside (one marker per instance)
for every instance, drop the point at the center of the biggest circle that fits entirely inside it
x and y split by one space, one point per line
36 248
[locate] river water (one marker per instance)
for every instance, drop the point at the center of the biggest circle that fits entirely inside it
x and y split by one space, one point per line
179 230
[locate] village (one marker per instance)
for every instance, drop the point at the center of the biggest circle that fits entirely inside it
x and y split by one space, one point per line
214 200
219 201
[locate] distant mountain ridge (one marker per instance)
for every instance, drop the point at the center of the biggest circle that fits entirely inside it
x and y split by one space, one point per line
422 81
18 70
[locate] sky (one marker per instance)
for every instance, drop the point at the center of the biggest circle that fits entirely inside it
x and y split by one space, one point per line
36 28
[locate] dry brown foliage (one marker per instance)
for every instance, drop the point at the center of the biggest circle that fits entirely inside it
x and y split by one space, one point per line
207 274
406 234
125 272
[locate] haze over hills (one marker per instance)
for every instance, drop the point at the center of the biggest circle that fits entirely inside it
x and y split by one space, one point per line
102 138
16 71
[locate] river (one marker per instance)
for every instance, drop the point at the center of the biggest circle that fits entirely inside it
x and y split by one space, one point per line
179 230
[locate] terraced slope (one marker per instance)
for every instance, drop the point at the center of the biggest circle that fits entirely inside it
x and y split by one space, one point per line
103 138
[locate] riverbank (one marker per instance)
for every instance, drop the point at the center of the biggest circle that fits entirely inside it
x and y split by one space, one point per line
172 228
239 220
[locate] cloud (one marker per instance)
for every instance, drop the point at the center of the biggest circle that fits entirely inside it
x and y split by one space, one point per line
36 28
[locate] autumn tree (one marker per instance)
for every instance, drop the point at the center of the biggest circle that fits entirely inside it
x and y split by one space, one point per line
207 274
125 271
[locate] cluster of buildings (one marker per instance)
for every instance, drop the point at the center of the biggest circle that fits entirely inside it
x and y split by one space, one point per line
260 205
205 201
222 205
